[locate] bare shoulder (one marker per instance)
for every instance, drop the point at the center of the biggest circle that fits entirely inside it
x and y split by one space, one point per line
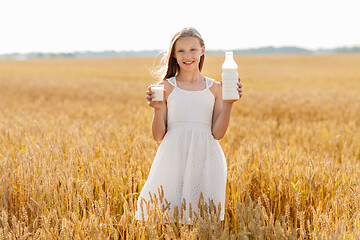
216 89
166 84
216 85
168 87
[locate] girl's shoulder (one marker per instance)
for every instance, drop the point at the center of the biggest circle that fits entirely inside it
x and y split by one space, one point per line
170 81
168 85
215 87
211 82
166 82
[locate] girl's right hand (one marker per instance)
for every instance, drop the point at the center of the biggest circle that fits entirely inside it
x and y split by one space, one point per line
156 104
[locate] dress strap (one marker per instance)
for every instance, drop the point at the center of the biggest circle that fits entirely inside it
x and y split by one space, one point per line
209 82
172 81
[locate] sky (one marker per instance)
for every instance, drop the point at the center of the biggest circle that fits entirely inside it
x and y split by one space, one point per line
94 25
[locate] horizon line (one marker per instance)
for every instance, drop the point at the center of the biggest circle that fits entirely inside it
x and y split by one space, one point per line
161 51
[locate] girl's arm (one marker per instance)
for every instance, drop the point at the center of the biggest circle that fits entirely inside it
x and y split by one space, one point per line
159 121
222 111
158 124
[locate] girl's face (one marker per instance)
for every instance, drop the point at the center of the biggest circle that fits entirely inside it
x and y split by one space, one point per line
187 51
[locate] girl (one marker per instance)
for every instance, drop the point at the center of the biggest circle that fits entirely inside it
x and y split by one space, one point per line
189 161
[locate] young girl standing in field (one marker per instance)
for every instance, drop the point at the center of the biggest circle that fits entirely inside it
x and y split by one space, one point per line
188 123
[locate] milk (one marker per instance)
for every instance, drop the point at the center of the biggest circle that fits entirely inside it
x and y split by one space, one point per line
229 78
158 93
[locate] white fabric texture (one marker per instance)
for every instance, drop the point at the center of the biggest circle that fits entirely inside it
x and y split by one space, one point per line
189 160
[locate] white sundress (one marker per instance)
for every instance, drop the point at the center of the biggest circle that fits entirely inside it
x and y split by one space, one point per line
189 161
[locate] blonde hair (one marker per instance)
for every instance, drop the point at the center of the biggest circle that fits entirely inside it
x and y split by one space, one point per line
168 65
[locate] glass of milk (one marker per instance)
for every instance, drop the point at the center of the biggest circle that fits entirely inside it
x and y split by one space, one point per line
158 92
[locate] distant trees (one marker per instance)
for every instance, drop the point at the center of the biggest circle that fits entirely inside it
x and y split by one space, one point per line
347 50
152 53
273 50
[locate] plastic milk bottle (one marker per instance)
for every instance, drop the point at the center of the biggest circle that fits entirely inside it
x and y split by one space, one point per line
229 78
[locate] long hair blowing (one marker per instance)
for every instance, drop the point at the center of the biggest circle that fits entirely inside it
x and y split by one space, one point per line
168 65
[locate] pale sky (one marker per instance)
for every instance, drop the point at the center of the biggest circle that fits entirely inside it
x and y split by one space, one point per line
79 25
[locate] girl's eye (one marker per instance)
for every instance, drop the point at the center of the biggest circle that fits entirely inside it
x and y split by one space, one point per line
193 49
180 51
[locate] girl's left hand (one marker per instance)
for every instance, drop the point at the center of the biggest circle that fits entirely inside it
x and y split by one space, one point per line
239 88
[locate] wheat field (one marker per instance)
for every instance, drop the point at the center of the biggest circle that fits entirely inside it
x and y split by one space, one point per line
76 149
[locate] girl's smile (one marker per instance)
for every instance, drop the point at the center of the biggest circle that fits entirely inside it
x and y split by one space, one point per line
188 52
188 63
